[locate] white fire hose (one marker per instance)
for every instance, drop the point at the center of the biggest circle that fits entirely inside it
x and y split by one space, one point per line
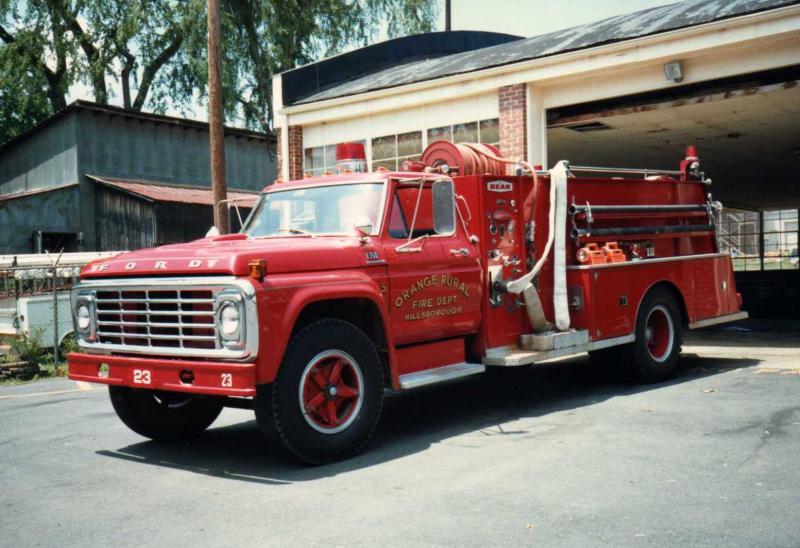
557 226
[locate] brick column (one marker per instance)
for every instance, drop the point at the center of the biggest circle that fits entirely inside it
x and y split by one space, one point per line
295 152
513 122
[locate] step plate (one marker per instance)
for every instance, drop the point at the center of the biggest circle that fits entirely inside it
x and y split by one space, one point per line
554 340
511 357
440 374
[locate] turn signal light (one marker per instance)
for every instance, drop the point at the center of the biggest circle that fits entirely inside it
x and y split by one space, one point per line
258 269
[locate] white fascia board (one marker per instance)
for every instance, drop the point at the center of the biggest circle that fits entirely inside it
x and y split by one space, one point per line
732 61
277 98
770 25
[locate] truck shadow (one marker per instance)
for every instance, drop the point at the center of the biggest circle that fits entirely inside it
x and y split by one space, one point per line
414 421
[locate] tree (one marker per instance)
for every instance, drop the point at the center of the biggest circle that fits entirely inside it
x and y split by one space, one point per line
266 38
36 51
151 53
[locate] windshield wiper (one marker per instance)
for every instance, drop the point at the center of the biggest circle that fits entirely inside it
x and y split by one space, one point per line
292 230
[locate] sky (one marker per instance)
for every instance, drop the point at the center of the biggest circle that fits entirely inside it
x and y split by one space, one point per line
533 17
519 17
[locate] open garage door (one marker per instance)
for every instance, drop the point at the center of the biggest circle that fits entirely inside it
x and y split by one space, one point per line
747 130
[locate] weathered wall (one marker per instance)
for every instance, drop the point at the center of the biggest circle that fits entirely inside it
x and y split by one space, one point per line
45 159
126 147
123 221
131 148
177 223
49 212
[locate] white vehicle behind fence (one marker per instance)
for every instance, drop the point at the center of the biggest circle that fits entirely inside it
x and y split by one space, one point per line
33 317
30 285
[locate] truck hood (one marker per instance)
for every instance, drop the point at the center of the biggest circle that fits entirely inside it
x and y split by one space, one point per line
231 254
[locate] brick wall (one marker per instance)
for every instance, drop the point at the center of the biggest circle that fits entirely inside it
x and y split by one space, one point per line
513 115
295 152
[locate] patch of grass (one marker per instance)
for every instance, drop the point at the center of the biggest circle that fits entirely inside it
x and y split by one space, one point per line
40 363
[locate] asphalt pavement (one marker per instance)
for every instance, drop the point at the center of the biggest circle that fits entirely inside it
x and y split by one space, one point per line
549 456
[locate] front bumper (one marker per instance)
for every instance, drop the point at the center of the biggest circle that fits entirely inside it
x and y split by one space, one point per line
213 378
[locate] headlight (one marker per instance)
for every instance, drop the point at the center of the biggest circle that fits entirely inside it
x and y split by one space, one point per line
229 320
83 312
83 317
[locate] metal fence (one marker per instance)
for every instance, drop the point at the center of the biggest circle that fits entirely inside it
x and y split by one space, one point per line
34 291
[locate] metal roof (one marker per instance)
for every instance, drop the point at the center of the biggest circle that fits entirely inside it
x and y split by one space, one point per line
614 29
112 110
35 191
182 194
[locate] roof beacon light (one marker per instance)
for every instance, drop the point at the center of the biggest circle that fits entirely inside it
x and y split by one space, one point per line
351 158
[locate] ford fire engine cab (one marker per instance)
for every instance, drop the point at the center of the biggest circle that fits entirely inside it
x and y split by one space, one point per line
342 286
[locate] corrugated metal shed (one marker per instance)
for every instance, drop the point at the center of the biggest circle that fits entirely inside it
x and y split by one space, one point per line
614 29
135 214
181 194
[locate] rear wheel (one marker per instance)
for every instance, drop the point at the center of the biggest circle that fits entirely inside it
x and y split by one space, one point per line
326 401
654 355
161 415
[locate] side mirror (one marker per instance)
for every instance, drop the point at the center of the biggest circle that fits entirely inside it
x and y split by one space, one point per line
444 207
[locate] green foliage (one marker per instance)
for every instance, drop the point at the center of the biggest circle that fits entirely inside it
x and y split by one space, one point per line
69 344
265 38
154 51
23 97
27 349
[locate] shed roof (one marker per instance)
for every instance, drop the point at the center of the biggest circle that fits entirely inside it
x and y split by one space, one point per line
183 194
128 113
614 29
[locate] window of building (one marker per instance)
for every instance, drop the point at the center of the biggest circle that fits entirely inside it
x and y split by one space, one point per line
391 150
760 240
739 235
482 131
780 239
320 160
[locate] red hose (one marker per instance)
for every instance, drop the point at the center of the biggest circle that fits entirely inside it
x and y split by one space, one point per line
476 159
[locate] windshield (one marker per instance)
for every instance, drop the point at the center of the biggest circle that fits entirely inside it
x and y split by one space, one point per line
334 209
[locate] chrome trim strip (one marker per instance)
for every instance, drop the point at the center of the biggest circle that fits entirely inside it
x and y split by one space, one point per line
719 319
648 261
440 374
246 288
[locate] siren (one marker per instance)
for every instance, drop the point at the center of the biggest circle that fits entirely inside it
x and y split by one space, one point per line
351 158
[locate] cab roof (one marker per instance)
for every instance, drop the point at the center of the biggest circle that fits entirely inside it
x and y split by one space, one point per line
369 177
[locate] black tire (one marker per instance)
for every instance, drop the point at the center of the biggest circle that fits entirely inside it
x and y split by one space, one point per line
164 416
654 355
286 407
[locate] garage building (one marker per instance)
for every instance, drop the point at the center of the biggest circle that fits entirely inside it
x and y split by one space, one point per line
628 91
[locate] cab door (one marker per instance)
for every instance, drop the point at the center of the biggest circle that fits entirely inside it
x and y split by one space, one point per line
434 271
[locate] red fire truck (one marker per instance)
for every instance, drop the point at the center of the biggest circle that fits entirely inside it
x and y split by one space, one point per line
343 286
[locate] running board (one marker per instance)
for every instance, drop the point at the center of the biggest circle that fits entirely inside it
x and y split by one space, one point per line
440 374
512 357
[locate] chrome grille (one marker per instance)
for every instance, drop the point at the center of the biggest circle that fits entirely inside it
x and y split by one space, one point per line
157 318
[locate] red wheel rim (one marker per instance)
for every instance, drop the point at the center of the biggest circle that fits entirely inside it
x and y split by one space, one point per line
659 333
331 391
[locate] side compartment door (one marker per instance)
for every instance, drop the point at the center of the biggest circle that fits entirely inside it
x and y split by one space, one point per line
434 273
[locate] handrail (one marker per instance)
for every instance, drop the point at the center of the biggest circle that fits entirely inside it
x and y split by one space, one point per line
645 172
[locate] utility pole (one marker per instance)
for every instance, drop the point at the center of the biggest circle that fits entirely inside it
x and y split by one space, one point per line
215 120
447 18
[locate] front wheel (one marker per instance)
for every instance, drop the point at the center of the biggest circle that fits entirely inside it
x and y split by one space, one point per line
327 398
161 415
